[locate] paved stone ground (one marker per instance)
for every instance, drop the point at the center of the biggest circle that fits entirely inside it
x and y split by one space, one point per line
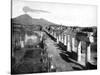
61 64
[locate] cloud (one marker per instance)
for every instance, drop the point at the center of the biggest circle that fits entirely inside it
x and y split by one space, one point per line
28 9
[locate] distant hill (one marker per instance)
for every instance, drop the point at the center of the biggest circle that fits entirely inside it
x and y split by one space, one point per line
25 19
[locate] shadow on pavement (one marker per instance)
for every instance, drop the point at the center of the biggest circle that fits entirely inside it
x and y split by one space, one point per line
67 59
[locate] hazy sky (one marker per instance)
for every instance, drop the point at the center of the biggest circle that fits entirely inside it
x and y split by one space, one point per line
66 14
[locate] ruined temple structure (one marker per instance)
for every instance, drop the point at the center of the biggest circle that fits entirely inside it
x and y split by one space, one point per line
51 48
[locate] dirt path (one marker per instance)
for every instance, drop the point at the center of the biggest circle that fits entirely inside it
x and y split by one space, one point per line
53 51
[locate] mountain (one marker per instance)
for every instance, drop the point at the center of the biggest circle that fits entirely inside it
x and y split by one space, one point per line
25 19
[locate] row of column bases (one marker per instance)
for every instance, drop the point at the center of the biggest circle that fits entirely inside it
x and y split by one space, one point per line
65 39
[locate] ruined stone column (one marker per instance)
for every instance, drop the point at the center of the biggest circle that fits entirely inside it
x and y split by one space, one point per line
68 44
89 53
26 37
54 34
73 45
22 44
62 37
65 40
91 39
79 52
41 36
57 39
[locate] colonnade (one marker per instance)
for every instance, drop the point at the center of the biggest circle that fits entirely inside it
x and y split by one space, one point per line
70 42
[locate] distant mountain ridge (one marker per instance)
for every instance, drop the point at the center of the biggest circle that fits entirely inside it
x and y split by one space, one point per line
25 19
